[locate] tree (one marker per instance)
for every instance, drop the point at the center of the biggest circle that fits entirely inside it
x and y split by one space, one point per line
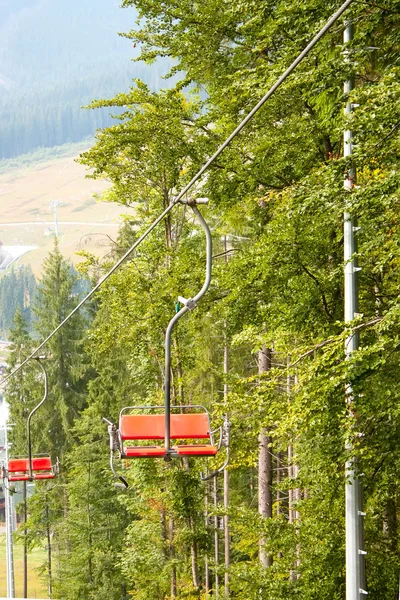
57 295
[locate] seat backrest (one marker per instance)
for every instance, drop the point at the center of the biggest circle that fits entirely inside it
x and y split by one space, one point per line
152 427
21 465
191 426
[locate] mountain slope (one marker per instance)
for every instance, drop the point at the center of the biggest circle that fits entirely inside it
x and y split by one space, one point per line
55 57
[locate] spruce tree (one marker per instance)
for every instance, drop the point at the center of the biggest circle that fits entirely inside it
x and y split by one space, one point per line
57 295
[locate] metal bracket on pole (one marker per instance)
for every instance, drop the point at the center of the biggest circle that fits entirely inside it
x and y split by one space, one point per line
189 302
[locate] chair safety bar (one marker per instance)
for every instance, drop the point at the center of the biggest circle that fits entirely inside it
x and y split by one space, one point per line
225 442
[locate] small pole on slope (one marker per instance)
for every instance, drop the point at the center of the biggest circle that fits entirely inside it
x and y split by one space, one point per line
9 528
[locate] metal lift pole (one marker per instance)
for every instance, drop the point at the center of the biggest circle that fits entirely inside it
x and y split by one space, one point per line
355 560
9 529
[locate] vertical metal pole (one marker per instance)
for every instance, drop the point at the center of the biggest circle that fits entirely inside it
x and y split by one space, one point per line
216 539
355 570
206 563
25 562
9 528
226 472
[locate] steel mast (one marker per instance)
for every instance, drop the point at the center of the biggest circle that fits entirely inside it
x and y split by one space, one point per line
355 554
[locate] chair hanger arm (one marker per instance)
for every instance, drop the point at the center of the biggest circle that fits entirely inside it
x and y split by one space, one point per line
28 426
114 445
217 471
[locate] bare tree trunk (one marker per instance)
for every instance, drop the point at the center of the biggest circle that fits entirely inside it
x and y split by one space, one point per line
172 557
206 563
181 395
294 493
194 557
279 478
25 593
48 535
264 466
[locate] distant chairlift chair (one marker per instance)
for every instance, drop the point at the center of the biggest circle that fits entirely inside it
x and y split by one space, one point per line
31 468
183 424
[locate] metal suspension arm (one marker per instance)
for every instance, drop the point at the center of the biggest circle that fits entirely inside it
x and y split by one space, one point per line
225 442
28 426
114 445
188 304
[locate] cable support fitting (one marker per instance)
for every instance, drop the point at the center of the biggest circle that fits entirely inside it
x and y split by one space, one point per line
193 201
189 302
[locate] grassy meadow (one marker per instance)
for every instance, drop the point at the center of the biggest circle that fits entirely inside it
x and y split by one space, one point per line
36 586
27 188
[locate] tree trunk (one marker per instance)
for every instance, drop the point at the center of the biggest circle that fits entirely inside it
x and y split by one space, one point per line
264 466
294 493
48 535
172 557
194 556
206 562
181 395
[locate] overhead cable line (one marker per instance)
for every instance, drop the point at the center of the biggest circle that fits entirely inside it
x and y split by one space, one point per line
189 185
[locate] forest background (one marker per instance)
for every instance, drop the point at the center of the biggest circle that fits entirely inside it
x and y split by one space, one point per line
266 345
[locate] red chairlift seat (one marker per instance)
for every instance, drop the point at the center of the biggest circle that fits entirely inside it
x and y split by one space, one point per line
18 469
183 426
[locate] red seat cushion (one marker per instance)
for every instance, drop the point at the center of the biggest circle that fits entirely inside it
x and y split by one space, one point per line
43 476
18 478
196 450
144 451
39 463
142 427
190 426
152 427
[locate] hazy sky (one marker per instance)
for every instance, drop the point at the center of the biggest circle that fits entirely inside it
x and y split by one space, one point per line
3 411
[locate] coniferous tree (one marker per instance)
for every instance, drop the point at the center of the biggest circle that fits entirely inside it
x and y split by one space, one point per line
57 295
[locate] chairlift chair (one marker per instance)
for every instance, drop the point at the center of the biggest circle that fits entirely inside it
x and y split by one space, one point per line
187 428
31 468
184 426
18 469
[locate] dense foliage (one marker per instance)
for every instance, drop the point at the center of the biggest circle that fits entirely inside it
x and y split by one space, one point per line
276 211
17 290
